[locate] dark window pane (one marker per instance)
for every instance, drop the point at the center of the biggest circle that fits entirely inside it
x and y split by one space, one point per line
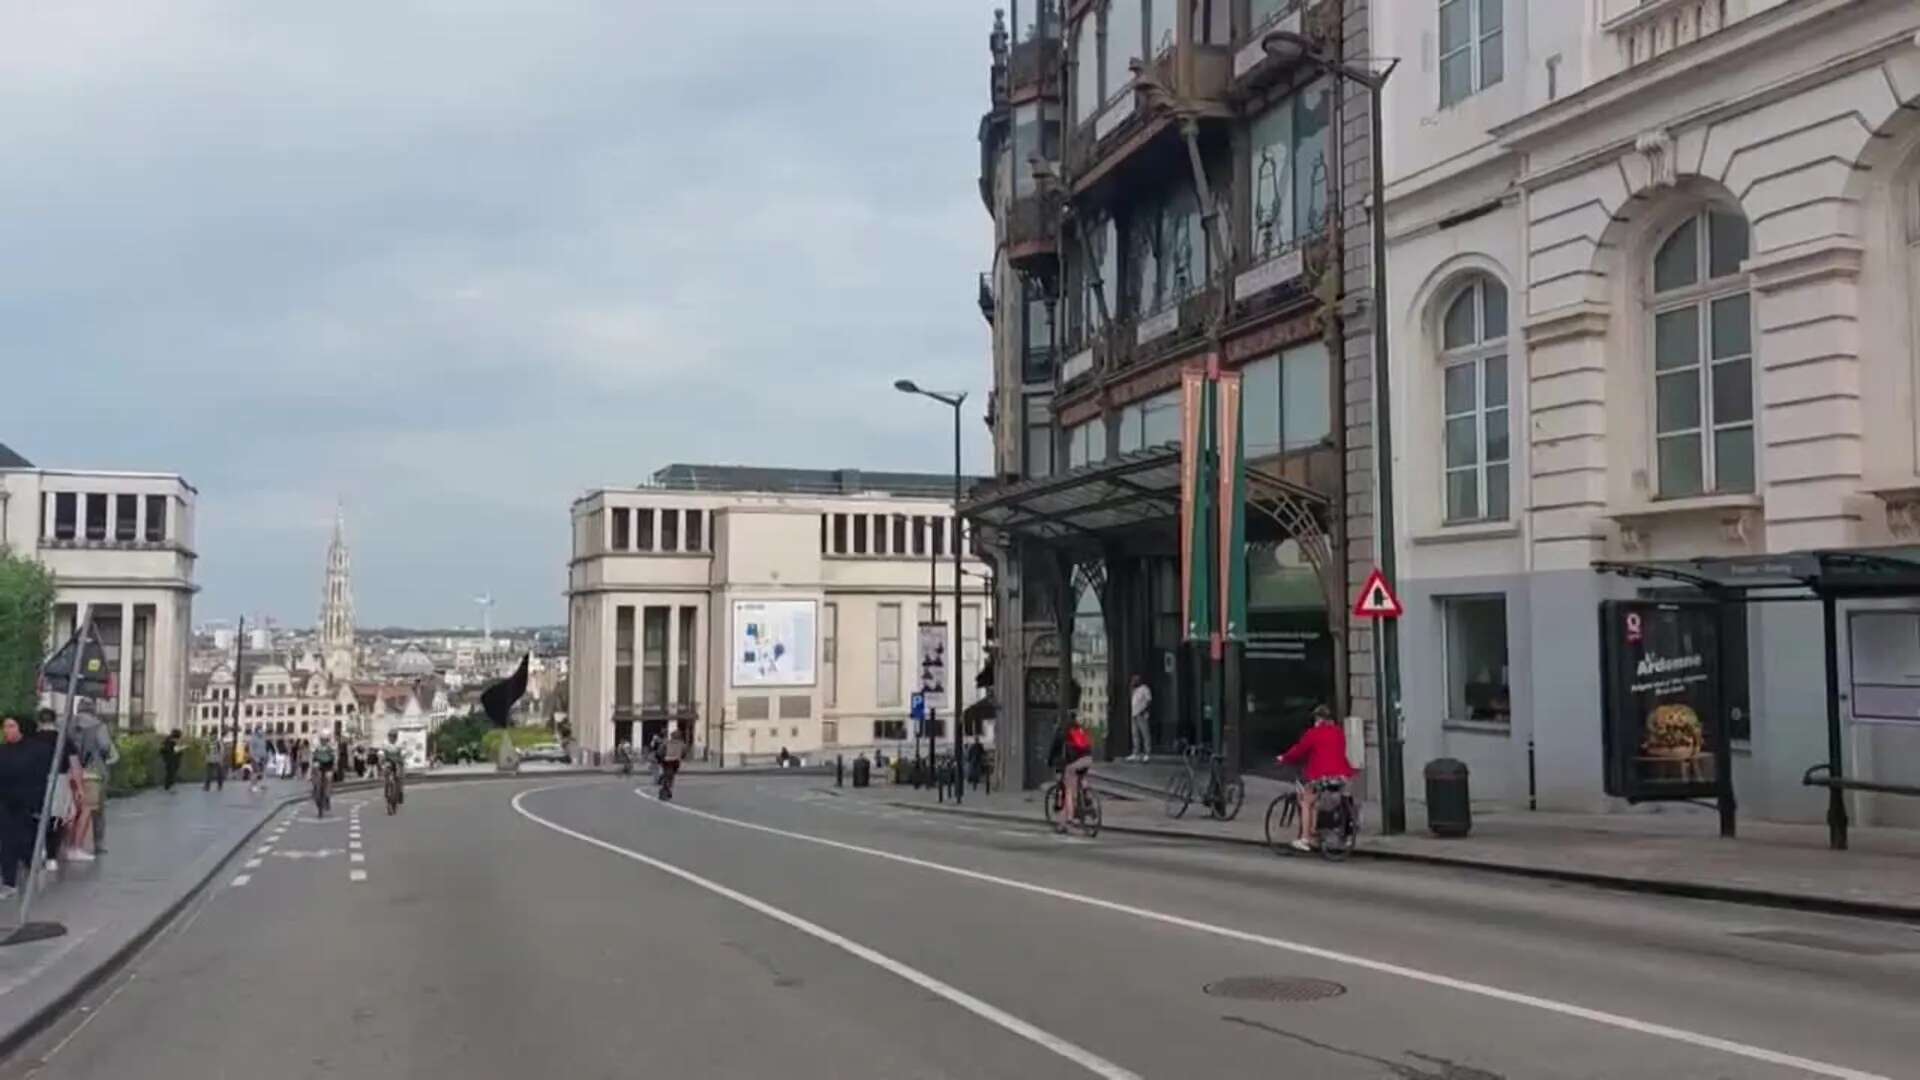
1496 381
1733 392
1676 339
1459 380
669 531
696 530
1677 402
126 514
1458 330
1497 445
1732 327
96 517
1461 438
860 534
1497 492
1727 243
899 535
622 529
1492 60
65 515
1463 495
1490 13
1494 325
1680 466
1678 262
1733 460
1456 77
1455 24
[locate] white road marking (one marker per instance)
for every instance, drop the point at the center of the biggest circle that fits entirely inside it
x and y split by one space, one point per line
1081 1056
357 857
253 864
357 875
353 845
1448 982
241 879
263 849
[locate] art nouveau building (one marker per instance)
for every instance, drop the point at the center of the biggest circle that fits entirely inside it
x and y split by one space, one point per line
1655 268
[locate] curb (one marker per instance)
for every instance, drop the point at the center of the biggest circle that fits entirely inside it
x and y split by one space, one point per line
45 1015
1691 890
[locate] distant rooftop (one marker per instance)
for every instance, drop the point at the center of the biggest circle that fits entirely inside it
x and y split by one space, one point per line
683 477
11 460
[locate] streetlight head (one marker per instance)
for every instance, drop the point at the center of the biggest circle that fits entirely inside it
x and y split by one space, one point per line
905 386
1289 47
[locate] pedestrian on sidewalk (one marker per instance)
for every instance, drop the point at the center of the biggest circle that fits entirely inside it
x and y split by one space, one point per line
976 762
23 783
257 758
1142 706
215 757
169 761
98 756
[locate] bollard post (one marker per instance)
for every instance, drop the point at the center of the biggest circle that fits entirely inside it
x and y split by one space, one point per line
839 770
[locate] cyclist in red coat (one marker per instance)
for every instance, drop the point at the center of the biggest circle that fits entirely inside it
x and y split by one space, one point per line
1323 752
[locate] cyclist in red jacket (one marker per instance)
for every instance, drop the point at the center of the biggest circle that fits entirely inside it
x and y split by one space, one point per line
1073 750
1323 749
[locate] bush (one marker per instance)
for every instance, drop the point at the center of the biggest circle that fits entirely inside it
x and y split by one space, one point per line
139 764
523 738
26 609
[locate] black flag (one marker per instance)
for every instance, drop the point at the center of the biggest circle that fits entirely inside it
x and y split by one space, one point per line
95 676
498 699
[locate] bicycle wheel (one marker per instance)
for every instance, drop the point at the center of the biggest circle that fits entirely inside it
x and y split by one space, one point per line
1054 801
1232 799
1282 814
1337 842
393 795
1089 813
1179 794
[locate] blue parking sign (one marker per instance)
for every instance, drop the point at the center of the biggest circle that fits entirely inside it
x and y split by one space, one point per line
917 706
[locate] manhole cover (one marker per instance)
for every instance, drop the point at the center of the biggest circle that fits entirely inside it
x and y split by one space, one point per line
1274 988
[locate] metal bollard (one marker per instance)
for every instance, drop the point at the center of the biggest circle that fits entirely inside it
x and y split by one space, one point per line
839 770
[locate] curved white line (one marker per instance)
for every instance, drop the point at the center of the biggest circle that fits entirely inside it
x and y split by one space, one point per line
1615 1020
1079 1055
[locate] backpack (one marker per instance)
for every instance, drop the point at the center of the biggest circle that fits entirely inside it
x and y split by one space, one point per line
1079 741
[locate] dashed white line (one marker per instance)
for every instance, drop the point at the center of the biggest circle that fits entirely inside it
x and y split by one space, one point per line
253 864
357 875
263 849
241 879
356 856
353 845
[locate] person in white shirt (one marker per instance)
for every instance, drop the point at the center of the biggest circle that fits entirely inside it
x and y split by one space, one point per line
1142 720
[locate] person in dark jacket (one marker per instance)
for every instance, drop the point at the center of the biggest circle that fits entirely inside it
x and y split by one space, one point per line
24 762
170 760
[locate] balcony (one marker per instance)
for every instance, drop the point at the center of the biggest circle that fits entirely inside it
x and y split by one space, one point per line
1137 130
1175 324
1254 70
1276 276
1033 70
1032 233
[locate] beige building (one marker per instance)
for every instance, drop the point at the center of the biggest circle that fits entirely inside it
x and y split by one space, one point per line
762 609
119 544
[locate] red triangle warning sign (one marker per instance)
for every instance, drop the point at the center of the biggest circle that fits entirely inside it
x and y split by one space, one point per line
1376 599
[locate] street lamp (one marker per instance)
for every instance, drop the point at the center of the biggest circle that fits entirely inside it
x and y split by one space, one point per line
954 400
1292 49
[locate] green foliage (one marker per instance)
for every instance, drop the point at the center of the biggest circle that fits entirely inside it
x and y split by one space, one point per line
140 765
26 609
523 738
460 737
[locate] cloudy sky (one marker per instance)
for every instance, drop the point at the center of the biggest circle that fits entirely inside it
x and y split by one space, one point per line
458 261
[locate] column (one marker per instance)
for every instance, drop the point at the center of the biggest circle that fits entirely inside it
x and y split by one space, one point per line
672 691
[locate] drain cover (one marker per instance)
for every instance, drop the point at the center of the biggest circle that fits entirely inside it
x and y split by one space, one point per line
1286 988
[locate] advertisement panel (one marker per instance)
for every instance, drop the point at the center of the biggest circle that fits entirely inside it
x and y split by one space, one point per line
1665 734
933 665
773 642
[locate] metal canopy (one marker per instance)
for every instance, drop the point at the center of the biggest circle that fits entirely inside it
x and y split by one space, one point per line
1136 489
1818 574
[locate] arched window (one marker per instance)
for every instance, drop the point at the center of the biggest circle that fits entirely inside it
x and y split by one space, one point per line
1473 353
1703 358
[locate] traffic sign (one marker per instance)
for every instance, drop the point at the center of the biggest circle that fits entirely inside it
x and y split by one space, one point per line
917 706
1376 599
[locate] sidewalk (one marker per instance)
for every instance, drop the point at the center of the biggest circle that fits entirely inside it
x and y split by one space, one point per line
1671 849
160 849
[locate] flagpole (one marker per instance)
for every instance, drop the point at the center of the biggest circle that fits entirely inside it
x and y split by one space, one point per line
81 634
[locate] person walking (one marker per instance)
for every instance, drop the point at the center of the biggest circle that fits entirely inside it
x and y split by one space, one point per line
98 755
976 762
257 758
169 761
23 782
215 758
1142 710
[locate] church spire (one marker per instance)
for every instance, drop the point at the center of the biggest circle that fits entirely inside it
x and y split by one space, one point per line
336 605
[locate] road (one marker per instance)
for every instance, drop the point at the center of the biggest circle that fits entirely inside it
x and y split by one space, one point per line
767 927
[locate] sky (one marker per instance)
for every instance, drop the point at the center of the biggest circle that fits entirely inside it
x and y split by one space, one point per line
453 263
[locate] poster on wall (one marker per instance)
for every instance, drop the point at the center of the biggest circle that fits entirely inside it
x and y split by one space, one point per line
773 642
1664 733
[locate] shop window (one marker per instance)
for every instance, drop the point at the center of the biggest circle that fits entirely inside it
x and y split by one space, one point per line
1288 169
1476 432
1703 358
1474 642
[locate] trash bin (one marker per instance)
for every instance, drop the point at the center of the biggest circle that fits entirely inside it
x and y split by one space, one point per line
1449 805
862 771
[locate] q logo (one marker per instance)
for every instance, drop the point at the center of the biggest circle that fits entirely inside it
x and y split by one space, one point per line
1633 628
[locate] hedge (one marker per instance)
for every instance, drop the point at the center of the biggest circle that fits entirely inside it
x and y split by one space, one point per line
523 738
139 765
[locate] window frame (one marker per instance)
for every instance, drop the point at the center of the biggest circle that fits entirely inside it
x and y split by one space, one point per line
886 694
1479 350
1701 296
1447 605
1475 49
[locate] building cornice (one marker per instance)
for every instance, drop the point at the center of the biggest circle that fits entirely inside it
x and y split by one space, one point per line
1585 319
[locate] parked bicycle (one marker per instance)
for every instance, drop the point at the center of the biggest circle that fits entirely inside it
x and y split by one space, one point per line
1209 784
1086 808
1336 823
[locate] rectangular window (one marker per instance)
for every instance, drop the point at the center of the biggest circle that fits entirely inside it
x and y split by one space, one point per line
839 534
623 658
859 534
1306 396
1037 366
1087 443
66 515
890 730
1039 444
1086 74
622 528
919 535
96 516
696 530
126 513
886 691
939 536
1126 31
899 534
830 655
669 530
683 661
829 732
826 539
1288 169
643 529
1472 45
1474 632
880 534
653 658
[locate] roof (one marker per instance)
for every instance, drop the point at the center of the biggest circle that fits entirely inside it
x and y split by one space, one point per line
11 460
782 481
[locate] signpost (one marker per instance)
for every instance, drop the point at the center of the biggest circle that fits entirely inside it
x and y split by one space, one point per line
1376 599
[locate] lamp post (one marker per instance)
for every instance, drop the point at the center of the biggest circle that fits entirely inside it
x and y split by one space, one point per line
1290 48
953 399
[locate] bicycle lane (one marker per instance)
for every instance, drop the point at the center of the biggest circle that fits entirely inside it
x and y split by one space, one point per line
1142 952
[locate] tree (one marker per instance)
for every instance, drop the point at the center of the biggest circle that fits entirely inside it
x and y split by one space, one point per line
26 610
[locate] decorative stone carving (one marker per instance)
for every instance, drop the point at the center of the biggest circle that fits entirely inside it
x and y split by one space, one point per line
1903 517
1739 526
1633 540
1656 147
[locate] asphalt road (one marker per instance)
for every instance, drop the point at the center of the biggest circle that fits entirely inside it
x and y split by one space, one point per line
765 927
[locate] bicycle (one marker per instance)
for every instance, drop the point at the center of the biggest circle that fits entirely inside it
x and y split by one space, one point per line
1336 822
322 790
1086 807
390 784
1221 796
